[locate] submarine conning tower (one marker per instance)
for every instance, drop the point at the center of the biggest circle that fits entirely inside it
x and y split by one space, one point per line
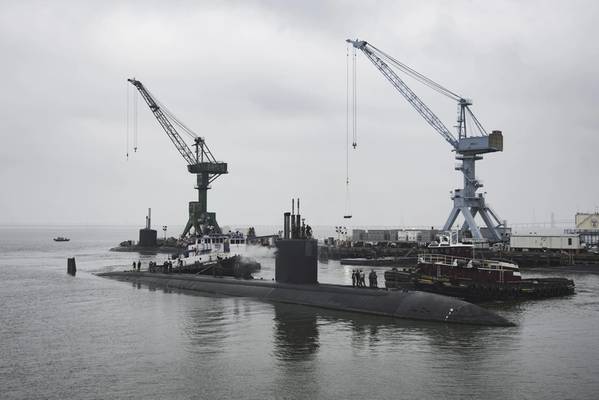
297 252
148 236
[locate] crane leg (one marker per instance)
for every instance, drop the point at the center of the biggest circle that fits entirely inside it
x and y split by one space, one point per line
464 228
471 223
492 230
187 228
451 219
494 215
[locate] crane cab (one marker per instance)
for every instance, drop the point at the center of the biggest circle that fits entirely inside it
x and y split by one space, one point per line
481 144
208 167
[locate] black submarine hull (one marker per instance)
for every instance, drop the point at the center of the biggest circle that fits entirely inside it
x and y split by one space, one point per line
414 305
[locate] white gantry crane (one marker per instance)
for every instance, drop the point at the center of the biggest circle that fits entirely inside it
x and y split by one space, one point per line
469 145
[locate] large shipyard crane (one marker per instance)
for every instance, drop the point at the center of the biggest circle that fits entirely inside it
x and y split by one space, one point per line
469 145
201 163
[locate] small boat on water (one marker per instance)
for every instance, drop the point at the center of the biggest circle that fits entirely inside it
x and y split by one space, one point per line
61 239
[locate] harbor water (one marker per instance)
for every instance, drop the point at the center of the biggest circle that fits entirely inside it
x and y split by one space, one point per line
86 337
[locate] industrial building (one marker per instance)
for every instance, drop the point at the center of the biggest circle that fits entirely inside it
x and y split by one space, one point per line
545 242
587 221
374 235
417 235
394 235
587 228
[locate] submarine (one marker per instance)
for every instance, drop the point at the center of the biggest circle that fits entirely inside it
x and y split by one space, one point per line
296 282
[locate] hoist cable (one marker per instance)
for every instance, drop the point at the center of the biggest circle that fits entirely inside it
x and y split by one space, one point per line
355 102
428 82
476 122
127 90
172 117
188 131
349 115
417 75
135 98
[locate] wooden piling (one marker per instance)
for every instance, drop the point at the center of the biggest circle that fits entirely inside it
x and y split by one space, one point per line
71 266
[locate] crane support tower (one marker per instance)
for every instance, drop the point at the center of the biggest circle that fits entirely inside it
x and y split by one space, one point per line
200 162
468 145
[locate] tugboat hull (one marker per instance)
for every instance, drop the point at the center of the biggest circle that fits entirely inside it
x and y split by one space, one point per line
234 266
482 290
485 292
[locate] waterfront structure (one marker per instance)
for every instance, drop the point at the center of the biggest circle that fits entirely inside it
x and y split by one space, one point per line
545 242
587 227
394 235
374 235
587 221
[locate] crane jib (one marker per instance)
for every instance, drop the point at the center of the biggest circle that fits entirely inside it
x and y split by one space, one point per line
410 96
200 161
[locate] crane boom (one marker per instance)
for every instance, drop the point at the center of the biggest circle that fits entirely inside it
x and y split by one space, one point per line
405 91
170 130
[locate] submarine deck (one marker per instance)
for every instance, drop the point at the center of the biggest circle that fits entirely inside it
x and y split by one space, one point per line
399 304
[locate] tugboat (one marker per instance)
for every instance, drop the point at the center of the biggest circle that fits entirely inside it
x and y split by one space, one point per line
472 279
61 239
211 255
483 280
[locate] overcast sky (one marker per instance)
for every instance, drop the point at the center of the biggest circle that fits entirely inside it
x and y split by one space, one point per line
265 83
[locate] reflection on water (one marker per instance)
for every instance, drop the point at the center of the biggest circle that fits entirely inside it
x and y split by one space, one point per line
208 328
295 332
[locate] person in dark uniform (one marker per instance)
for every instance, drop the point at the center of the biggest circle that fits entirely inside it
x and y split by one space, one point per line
308 232
375 279
353 278
362 279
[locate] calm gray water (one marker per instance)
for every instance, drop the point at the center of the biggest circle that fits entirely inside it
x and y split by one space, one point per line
86 337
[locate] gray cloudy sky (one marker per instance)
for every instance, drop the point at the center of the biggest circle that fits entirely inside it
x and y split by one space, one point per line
264 82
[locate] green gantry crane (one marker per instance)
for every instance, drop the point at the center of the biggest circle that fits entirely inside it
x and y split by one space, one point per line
201 163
